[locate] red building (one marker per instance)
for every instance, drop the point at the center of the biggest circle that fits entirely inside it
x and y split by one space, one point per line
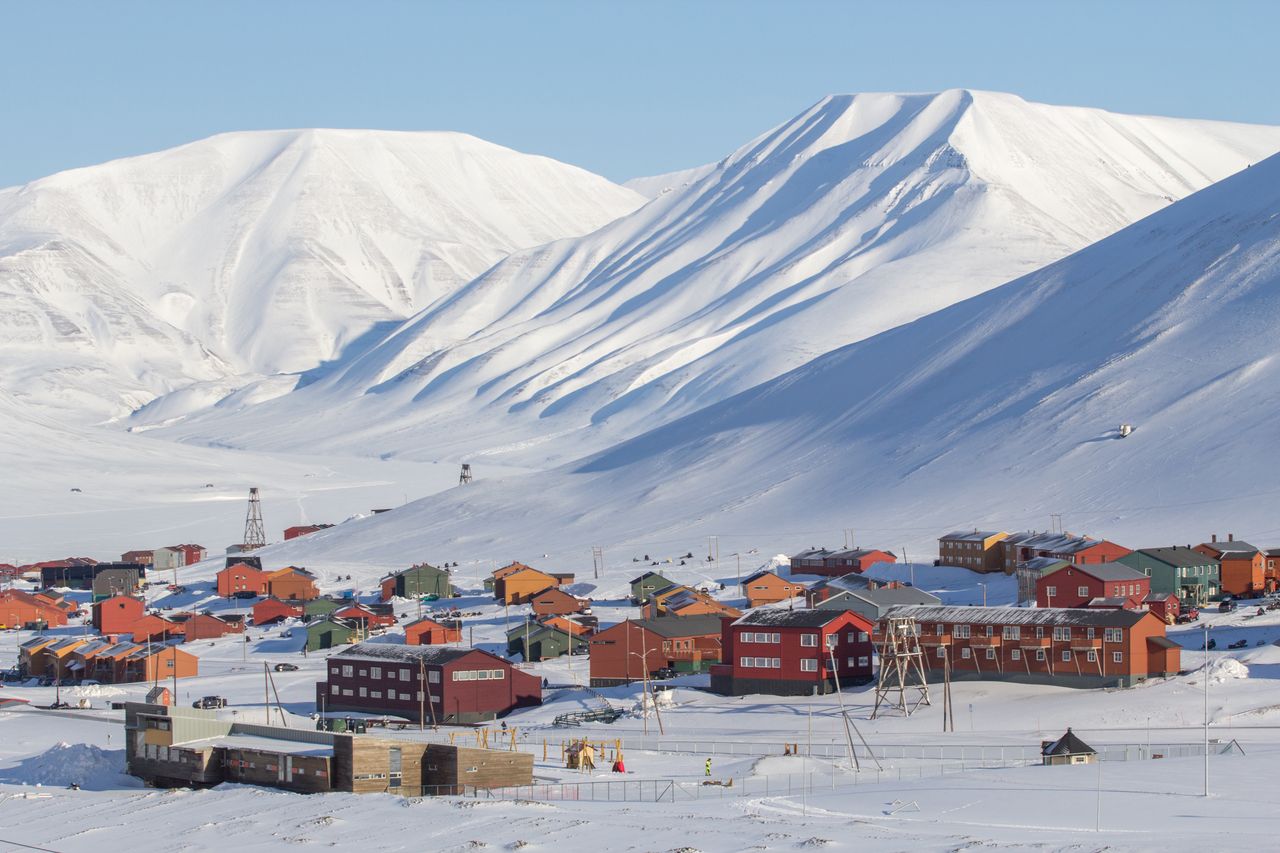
242 577
1243 568
203 626
18 608
430 632
438 684
557 602
303 530
270 610
630 650
368 615
154 628
1087 647
820 561
791 652
117 615
1019 548
1093 584
1164 605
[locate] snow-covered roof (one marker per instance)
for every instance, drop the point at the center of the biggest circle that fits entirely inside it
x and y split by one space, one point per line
414 654
1117 572
1020 615
971 535
789 618
1068 744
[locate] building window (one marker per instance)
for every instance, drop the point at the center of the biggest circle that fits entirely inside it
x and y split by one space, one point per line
377 694
333 670
832 639
363 692
333 689
989 631
346 672
1091 656
745 662
1040 655
1012 632
1062 634
375 672
1117 657
962 632
1088 632
864 661
1113 635
1082 591
404 675
363 674
809 640
808 665
1016 654
965 653
1050 591
434 676
1066 655
346 692
991 654
942 653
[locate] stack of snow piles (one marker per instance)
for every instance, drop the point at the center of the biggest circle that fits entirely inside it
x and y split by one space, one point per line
1226 669
65 764
96 691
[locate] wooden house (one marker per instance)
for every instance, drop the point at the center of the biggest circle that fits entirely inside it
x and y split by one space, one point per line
768 587
19 609
557 602
1242 567
292 583
329 631
1084 647
142 558
625 652
519 586
793 652
686 601
976 550
241 577
646 585
433 632
157 663
303 530
849 560
1077 550
869 600
324 606
206 626
367 616
1068 749
116 580
1163 604
117 615
271 610
417 581
440 684
1093 584
154 628
537 641
1180 570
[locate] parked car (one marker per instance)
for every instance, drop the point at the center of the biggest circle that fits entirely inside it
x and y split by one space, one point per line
1190 614
1213 644
664 672
1227 605
246 593
210 702
286 667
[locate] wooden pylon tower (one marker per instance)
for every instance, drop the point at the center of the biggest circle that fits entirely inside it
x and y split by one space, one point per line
901 667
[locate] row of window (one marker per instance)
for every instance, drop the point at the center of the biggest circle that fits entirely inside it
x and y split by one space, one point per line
479 675
349 671
806 664
806 640
1061 633
366 693
1016 654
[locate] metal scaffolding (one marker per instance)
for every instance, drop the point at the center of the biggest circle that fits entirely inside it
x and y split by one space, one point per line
901 667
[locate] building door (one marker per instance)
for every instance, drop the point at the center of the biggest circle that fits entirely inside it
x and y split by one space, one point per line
394 772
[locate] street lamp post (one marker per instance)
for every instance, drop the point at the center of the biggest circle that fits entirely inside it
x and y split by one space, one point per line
1206 709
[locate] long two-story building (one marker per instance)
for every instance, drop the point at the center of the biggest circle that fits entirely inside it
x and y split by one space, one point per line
793 652
1180 571
437 684
1045 645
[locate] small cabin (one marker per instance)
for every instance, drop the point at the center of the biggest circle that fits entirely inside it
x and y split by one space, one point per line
1067 749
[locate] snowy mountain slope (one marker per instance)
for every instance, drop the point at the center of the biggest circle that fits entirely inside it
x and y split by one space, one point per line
864 212
653 186
258 253
994 412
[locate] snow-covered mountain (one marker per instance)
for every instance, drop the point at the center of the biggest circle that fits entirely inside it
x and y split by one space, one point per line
862 213
994 412
257 253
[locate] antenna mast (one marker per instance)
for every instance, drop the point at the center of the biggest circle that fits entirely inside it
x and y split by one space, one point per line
465 477
255 534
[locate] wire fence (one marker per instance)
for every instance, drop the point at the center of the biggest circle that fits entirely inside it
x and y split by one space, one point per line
931 765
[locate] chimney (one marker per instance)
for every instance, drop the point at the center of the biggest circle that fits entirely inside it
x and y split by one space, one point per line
1213 538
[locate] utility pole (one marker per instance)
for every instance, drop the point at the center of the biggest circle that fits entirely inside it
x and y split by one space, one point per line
1206 709
597 561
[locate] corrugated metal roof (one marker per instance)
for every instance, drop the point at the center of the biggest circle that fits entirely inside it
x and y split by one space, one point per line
1021 615
789 618
971 535
1178 557
410 654
1117 572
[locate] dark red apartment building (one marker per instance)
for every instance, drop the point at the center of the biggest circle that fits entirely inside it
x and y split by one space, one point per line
793 652
438 684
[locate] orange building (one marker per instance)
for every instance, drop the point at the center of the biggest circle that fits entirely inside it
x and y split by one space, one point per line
766 587
521 585
117 614
292 583
557 602
430 632
153 628
1243 567
159 663
242 577
681 600
18 608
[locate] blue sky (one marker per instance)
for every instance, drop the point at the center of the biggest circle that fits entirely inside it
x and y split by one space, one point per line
623 89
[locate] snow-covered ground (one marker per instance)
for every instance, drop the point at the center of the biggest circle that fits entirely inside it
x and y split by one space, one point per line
775 803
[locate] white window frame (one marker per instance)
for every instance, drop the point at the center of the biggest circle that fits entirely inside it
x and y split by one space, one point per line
809 641
808 664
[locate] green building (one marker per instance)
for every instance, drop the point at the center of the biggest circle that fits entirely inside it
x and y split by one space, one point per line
1185 572
323 606
417 581
545 642
646 585
329 632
